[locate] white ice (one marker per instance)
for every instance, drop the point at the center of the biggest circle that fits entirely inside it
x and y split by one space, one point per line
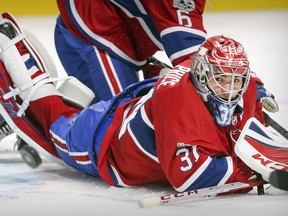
55 190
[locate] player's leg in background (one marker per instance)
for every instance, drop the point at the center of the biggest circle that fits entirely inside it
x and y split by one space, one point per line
102 73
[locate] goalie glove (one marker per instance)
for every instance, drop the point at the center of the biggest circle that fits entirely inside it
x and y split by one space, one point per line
267 99
155 68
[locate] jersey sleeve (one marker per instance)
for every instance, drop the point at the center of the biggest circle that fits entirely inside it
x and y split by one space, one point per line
181 31
192 150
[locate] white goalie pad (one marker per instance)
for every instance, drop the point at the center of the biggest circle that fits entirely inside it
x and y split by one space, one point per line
71 89
42 54
17 81
76 93
262 148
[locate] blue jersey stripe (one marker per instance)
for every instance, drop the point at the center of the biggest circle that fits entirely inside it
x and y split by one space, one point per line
144 135
136 10
185 39
212 175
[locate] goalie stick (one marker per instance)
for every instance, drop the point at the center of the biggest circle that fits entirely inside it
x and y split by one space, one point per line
278 178
154 59
276 125
197 194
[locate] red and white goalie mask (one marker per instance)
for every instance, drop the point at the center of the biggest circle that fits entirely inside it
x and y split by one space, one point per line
220 71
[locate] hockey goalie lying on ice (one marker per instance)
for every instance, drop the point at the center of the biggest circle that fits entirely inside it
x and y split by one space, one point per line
183 128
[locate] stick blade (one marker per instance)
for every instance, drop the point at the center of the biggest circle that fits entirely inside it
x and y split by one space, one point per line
279 179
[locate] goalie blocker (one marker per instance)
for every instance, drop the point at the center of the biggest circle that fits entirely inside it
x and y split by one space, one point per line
263 149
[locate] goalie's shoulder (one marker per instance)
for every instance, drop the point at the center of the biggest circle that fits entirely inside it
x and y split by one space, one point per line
175 76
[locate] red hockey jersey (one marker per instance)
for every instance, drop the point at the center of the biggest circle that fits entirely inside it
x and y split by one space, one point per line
135 30
169 135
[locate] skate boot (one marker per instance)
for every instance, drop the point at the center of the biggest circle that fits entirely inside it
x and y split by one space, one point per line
28 154
5 130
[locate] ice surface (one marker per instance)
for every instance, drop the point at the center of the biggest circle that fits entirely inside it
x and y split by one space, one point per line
55 190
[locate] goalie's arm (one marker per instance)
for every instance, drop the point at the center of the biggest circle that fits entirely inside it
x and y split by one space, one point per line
192 168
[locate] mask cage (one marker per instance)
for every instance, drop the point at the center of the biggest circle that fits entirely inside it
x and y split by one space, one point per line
206 73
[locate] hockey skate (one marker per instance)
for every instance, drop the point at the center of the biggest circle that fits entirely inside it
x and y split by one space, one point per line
5 130
28 154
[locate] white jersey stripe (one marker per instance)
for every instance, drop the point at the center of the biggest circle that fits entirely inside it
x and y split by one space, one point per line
145 118
110 70
120 182
100 39
195 176
229 171
61 145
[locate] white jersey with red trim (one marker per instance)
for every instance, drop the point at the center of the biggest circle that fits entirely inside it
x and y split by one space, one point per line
169 135
135 30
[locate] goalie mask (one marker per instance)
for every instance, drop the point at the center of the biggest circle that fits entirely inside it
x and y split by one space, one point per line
220 72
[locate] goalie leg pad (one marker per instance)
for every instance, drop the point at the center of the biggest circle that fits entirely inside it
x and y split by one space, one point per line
22 126
32 81
17 85
72 90
23 66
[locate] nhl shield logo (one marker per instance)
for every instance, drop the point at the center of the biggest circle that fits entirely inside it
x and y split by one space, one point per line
186 5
